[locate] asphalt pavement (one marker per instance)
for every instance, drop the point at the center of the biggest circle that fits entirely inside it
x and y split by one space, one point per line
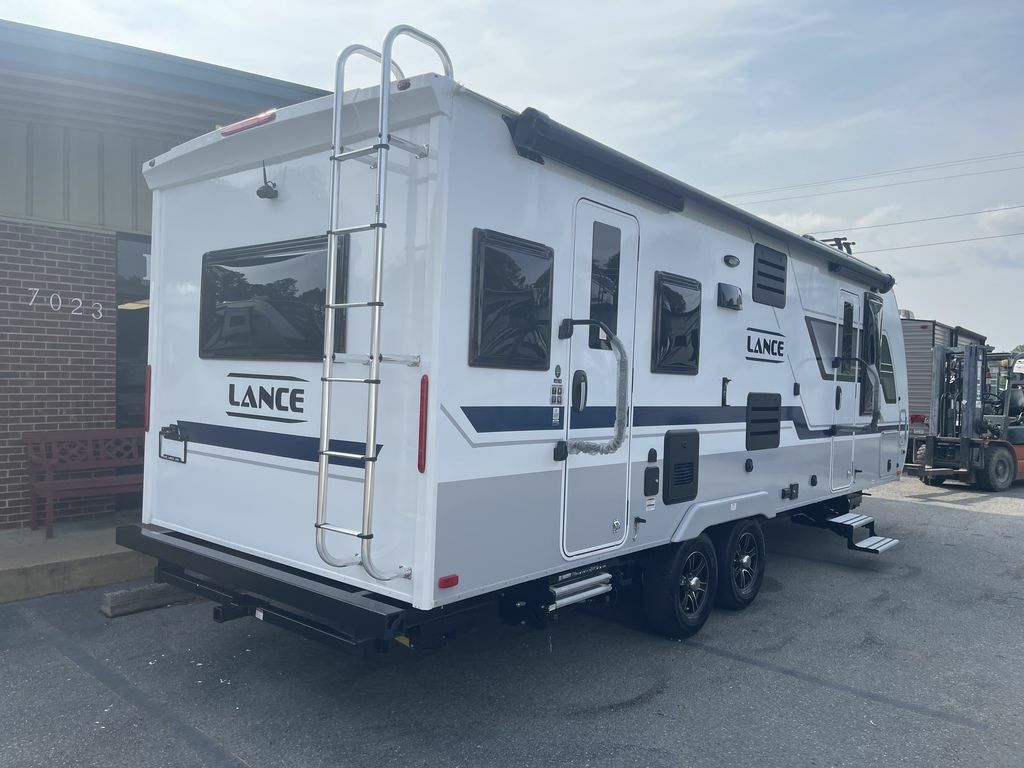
909 658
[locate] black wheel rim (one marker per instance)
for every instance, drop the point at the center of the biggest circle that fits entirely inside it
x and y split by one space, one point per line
1001 470
745 562
693 584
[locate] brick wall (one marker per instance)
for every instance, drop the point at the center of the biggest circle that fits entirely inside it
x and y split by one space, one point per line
57 347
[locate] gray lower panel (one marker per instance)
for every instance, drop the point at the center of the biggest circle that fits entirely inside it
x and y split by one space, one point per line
497 530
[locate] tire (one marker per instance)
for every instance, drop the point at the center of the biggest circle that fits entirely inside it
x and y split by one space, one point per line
680 582
999 470
934 482
741 563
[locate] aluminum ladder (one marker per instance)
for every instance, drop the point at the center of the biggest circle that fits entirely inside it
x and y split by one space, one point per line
384 143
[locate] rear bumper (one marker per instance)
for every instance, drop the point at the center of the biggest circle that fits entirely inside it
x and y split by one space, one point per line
244 585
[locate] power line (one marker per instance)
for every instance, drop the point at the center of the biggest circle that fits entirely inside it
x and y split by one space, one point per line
917 221
944 242
882 186
893 172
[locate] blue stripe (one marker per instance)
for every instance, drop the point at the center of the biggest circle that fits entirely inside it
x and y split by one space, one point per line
513 418
593 417
298 447
523 418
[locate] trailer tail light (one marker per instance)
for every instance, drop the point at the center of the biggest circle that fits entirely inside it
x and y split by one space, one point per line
145 408
249 122
449 581
421 448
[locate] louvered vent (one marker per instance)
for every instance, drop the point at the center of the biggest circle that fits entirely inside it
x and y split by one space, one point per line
769 276
682 455
764 417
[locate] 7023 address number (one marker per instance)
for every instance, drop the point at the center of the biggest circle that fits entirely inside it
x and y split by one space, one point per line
56 303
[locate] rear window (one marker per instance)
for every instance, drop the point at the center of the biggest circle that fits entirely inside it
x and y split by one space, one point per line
266 302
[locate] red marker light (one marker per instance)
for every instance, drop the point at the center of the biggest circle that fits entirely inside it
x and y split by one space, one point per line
145 409
449 581
249 122
421 449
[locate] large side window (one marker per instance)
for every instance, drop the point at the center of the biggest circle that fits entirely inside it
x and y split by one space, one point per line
887 371
510 325
769 277
870 341
604 282
676 338
266 302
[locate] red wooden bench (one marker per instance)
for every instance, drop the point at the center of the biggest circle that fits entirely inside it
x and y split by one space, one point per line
80 464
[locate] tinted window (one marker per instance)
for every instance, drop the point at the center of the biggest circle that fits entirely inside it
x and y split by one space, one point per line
511 302
887 371
823 341
870 338
604 282
267 302
676 342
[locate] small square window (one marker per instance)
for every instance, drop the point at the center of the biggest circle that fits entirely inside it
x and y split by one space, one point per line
510 325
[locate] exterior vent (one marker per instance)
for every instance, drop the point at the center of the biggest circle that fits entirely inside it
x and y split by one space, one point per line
682 455
769 276
764 418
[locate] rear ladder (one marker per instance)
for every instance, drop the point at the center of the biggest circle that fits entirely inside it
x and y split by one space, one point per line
385 142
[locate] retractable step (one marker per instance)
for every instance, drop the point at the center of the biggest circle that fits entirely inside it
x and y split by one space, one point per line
577 591
851 520
846 525
875 544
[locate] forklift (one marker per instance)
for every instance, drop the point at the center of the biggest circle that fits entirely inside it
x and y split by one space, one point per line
976 419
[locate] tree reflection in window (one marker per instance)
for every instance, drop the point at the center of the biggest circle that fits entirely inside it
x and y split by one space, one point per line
676 338
267 302
511 302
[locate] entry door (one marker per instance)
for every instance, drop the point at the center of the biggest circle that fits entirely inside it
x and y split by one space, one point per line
847 402
604 288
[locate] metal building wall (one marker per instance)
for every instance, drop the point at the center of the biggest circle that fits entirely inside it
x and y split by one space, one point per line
68 175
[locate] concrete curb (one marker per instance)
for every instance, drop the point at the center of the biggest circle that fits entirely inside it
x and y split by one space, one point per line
73 575
123 602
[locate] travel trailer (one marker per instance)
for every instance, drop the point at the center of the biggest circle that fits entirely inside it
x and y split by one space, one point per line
415 354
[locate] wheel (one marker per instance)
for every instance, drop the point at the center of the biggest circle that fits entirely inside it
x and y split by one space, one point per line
998 472
932 481
741 562
680 581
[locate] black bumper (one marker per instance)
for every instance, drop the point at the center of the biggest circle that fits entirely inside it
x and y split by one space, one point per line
244 585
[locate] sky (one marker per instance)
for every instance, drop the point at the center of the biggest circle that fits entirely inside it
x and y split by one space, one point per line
731 96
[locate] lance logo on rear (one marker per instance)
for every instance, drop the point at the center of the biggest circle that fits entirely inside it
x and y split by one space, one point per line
267 398
765 346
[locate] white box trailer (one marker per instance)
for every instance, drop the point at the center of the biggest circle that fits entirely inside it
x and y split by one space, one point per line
462 356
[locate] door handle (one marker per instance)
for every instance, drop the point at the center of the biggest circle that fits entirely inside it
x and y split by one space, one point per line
579 391
839 397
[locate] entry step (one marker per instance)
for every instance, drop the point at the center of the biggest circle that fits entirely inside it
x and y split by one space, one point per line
876 544
852 520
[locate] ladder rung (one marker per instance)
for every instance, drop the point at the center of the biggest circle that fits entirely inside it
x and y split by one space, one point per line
348 380
346 531
357 228
345 455
352 154
420 150
351 304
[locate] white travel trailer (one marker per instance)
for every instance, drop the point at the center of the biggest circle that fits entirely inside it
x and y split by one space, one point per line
461 356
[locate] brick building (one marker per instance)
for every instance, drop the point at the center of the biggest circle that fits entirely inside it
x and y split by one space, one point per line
78 117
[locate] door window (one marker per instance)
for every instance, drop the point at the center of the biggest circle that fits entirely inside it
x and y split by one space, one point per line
604 282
